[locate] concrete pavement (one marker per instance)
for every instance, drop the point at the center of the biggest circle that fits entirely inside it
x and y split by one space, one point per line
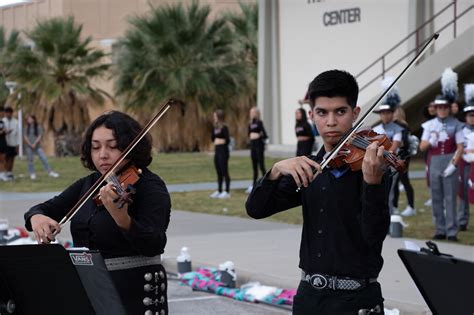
261 250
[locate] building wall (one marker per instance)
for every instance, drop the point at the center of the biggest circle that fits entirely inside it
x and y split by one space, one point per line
318 35
313 39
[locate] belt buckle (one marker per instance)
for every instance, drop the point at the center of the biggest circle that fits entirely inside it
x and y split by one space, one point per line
318 281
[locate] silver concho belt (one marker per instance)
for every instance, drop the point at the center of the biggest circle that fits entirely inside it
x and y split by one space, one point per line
320 281
129 262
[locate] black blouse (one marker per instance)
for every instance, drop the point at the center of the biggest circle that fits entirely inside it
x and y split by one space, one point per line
257 126
345 220
221 133
94 227
303 129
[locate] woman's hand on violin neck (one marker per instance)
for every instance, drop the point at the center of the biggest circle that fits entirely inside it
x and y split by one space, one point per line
44 228
373 164
300 168
110 199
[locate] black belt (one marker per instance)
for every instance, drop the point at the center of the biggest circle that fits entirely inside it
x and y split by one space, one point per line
320 281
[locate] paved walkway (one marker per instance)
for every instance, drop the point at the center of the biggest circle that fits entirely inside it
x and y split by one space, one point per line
261 250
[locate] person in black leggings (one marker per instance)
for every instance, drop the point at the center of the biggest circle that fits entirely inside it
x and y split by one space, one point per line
404 154
304 134
220 137
257 136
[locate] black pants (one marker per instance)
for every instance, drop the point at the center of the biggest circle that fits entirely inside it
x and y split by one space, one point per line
304 148
309 300
221 162
403 177
257 147
130 285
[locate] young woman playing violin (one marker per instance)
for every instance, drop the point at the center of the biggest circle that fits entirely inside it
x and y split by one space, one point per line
345 211
128 234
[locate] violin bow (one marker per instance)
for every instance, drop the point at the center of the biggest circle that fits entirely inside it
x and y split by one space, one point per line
121 158
358 124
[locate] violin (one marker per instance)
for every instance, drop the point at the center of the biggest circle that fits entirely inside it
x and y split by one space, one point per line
123 185
352 152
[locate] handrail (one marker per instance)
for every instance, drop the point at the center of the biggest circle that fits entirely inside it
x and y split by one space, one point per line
382 58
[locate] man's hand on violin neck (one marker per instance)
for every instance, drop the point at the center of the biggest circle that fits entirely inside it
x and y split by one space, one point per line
44 228
300 168
373 164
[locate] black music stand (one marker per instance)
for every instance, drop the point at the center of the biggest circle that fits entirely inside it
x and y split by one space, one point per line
41 279
47 279
445 282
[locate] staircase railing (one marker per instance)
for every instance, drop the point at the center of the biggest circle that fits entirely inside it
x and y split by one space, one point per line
382 60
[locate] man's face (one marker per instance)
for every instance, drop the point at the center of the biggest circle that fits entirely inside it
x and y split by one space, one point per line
386 116
333 117
8 114
442 111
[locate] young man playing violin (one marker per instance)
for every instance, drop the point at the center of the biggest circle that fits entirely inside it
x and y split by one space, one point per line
345 213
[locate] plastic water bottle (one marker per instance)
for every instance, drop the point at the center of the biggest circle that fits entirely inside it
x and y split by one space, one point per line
184 261
228 275
396 226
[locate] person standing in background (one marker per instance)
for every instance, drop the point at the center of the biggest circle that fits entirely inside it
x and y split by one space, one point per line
391 130
32 139
257 136
404 154
3 146
304 133
443 139
11 137
220 137
465 165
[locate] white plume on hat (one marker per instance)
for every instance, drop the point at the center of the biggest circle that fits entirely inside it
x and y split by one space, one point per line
469 97
449 85
393 97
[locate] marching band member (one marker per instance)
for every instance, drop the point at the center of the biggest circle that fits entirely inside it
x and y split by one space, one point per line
443 139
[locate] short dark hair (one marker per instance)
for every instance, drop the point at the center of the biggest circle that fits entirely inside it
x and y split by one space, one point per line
8 110
125 129
334 83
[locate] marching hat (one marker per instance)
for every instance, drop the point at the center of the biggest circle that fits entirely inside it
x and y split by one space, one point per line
449 85
392 100
469 97
441 100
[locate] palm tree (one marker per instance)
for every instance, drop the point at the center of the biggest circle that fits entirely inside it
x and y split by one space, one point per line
178 52
245 28
8 46
55 75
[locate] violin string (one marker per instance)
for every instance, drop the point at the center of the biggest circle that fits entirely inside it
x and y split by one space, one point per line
117 185
364 143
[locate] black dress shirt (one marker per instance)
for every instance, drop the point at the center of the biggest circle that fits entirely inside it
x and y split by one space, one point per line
345 220
94 227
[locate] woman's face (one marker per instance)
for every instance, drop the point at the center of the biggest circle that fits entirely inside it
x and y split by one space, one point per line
215 118
298 115
104 150
454 108
29 120
432 109
253 113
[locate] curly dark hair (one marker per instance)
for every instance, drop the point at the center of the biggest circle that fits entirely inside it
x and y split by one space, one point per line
334 83
125 129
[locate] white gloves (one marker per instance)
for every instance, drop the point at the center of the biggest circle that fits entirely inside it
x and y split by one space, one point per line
448 171
433 140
